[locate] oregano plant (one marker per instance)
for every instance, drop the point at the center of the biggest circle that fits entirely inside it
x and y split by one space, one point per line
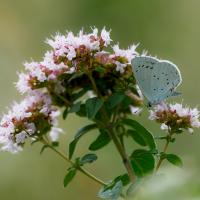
87 75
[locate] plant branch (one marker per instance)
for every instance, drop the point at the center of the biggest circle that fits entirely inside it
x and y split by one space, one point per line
164 151
62 155
66 101
112 134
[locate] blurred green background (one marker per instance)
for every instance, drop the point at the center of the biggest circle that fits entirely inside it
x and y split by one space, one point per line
169 29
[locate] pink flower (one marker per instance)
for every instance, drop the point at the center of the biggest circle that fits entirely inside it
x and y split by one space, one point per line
27 119
175 117
129 53
105 35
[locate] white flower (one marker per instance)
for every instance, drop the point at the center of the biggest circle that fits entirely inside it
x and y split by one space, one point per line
120 67
11 147
105 35
67 45
95 32
135 110
192 113
58 42
178 108
129 54
35 70
158 108
30 128
48 62
54 133
164 126
175 117
71 53
22 85
21 121
53 117
20 137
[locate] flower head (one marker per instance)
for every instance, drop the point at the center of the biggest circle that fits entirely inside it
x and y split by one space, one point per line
175 117
33 117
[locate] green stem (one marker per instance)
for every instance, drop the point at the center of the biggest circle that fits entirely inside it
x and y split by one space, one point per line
62 155
122 153
112 134
67 102
164 151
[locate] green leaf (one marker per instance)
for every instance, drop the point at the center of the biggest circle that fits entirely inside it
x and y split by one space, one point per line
79 94
69 176
174 159
113 189
88 158
43 148
82 111
76 75
65 113
115 99
93 105
146 135
127 101
75 107
111 193
100 69
102 140
137 137
78 135
123 178
142 162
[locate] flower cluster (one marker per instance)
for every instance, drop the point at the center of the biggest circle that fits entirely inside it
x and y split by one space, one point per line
61 78
31 118
175 117
72 54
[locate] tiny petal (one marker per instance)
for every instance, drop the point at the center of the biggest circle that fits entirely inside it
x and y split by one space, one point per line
135 110
120 67
22 85
164 126
54 133
105 35
20 137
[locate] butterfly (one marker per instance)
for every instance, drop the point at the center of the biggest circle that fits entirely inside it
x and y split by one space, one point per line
157 79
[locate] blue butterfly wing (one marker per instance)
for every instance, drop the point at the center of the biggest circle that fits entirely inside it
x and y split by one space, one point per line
166 79
156 79
143 68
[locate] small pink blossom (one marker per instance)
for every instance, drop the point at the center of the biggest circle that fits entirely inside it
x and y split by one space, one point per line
105 35
129 53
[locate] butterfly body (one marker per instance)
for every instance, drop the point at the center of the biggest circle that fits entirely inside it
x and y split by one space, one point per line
157 79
